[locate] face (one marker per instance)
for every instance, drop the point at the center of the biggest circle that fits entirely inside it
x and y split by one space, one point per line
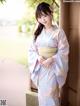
45 19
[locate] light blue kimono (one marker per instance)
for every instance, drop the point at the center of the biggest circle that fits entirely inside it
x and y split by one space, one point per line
49 80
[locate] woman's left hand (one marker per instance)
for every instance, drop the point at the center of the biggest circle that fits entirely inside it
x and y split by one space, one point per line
48 62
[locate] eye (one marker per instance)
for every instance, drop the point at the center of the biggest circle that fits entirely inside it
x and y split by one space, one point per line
44 15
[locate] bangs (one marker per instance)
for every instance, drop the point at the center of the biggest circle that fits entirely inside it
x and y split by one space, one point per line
43 9
40 13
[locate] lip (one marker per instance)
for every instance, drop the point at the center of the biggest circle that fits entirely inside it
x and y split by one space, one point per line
45 22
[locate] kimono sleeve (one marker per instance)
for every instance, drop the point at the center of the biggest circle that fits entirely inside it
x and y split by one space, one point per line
61 58
33 58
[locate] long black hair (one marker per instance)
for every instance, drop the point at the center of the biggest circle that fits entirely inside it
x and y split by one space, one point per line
41 8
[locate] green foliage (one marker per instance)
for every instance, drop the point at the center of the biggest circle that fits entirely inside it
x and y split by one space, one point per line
56 11
34 3
26 25
2 1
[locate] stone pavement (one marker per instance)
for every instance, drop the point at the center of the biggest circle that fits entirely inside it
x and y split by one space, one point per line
13 83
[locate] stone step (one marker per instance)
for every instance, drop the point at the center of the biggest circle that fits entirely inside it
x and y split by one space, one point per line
31 98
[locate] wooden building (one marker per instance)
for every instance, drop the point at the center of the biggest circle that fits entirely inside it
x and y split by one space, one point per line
70 22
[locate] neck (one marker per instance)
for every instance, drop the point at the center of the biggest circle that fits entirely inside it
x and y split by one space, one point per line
48 26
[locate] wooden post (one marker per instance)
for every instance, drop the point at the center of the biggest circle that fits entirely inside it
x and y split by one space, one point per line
70 22
78 96
64 23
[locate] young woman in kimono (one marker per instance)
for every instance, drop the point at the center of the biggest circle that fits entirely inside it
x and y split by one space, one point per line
48 57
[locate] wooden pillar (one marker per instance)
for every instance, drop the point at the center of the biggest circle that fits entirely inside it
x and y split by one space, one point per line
78 96
64 16
70 22
64 23
74 55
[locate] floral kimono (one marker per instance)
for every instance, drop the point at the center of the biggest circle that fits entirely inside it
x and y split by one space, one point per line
49 80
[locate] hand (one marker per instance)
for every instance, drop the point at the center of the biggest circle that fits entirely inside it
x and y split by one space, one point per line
41 59
48 62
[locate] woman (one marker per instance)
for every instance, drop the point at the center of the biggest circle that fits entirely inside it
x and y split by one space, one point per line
48 57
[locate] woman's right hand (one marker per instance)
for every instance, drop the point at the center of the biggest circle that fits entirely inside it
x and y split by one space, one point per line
41 59
45 62
48 62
